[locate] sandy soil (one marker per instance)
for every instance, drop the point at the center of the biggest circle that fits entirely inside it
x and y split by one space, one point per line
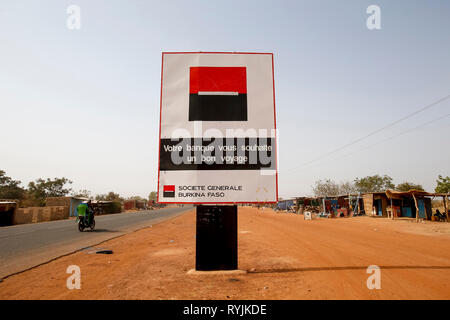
286 256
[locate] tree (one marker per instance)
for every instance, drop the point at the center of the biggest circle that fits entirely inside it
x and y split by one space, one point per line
406 186
152 196
442 184
347 188
9 188
41 189
374 183
82 194
110 196
326 187
330 188
137 198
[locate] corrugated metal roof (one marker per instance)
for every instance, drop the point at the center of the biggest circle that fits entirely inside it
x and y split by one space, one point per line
420 193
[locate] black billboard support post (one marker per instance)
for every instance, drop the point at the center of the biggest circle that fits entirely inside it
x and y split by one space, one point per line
216 238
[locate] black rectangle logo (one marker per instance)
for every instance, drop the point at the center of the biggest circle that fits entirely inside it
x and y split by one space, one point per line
218 107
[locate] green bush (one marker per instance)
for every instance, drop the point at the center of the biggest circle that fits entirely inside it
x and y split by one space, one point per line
113 207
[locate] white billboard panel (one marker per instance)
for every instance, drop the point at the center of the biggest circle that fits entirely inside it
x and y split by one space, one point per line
217 128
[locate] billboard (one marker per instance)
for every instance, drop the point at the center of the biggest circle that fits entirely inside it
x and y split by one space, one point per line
217 128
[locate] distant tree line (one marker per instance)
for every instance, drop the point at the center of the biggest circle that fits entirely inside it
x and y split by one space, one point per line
35 193
375 183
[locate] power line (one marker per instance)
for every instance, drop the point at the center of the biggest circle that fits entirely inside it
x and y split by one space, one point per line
397 135
371 133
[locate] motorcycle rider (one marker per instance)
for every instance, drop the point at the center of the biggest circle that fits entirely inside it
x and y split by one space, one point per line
90 212
85 208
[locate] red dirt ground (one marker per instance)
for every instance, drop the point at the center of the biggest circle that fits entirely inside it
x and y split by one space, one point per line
286 256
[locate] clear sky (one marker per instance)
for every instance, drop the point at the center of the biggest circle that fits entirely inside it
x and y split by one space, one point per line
84 104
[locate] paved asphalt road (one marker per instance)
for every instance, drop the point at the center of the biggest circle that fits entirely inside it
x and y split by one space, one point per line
25 246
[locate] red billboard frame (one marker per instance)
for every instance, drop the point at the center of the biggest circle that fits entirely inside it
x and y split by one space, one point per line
274 118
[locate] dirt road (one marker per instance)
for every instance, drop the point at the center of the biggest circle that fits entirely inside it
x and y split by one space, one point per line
286 258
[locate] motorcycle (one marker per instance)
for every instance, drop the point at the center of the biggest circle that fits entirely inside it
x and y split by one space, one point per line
83 223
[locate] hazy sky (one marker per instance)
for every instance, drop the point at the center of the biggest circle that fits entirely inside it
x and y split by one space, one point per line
84 104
